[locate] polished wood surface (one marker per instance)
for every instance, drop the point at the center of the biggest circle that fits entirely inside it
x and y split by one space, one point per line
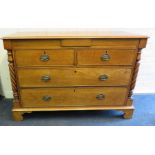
116 43
88 56
73 71
73 34
57 43
106 43
117 76
73 97
109 43
18 112
76 42
56 57
35 44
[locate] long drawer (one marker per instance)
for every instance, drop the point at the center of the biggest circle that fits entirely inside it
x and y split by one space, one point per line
43 97
56 57
105 57
48 77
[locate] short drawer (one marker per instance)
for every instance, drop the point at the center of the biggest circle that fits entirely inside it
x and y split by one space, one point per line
114 43
76 42
105 76
43 97
55 57
106 57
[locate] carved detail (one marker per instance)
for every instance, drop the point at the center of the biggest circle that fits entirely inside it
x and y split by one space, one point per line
128 113
133 82
13 77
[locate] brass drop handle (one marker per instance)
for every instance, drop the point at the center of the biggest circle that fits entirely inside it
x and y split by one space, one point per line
105 57
44 57
46 98
103 77
45 78
100 97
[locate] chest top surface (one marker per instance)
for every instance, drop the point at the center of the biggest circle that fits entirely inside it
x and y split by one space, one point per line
73 34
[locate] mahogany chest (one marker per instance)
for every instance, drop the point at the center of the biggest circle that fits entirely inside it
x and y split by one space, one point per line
57 71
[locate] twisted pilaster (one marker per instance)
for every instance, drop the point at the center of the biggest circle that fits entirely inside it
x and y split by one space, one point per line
136 69
13 76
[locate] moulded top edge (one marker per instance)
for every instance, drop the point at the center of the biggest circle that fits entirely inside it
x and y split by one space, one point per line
72 34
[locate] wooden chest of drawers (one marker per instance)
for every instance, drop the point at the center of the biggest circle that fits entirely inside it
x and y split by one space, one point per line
73 71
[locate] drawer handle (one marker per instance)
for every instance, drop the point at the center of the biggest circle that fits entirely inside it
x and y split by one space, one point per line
45 78
100 97
44 57
105 57
103 77
46 98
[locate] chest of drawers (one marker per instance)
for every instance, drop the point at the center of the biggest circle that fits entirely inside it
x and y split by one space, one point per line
59 71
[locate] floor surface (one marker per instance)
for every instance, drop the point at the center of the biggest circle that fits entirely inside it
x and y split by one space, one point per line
144 115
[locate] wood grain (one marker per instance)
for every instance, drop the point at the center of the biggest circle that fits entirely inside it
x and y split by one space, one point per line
57 57
35 44
117 76
74 68
55 43
76 42
116 43
73 34
126 109
88 56
73 97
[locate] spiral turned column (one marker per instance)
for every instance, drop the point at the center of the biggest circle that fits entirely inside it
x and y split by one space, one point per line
137 64
13 77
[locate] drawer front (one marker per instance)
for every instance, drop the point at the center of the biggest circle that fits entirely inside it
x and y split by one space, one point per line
35 43
116 43
44 97
56 57
76 42
106 76
106 43
106 57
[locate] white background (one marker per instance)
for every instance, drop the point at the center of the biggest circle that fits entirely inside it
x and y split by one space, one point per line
77 14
